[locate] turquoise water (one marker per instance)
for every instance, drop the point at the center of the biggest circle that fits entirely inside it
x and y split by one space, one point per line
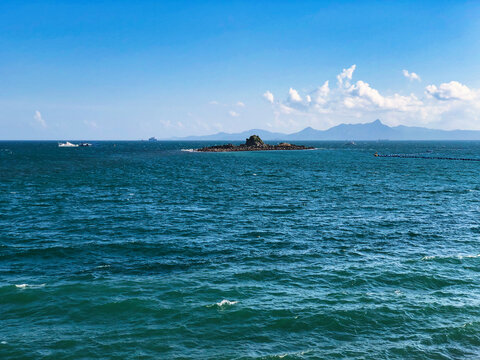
139 250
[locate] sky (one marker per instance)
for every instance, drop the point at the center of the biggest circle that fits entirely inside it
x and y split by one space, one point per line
135 69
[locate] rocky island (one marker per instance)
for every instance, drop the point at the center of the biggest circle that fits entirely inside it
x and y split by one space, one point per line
253 143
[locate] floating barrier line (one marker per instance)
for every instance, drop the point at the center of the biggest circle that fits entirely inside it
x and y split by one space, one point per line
406 156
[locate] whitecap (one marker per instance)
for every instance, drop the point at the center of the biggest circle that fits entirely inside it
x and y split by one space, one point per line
3 342
459 256
226 302
468 256
31 286
294 354
188 150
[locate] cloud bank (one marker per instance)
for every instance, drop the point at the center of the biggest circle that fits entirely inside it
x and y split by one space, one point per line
447 105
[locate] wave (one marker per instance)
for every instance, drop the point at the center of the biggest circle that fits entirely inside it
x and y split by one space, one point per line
291 354
459 256
31 286
188 150
102 266
223 303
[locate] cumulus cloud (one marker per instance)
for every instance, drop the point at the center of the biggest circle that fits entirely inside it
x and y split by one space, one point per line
347 75
411 75
362 95
319 95
213 102
269 96
241 104
293 96
358 101
450 91
233 113
39 119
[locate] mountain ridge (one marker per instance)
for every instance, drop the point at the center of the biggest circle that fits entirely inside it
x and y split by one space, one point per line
375 130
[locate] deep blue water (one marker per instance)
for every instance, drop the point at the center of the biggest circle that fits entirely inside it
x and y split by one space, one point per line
129 249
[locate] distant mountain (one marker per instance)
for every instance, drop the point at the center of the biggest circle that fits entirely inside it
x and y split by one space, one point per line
264 134
375 130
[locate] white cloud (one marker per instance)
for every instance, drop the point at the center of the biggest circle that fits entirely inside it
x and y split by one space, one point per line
364 96
285 109
213 102
241 104
450 91
39 119
320 94
346 74
293 96
448 105
269 96
411 75
233 113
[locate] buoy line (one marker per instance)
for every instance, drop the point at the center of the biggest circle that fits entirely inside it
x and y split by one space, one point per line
406 156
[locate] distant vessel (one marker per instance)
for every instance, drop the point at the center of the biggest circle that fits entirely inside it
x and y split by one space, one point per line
67 144
84 144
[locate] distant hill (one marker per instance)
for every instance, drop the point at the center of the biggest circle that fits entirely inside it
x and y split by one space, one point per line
375 130
264 134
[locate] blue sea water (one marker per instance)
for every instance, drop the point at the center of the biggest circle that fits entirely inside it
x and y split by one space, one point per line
138 250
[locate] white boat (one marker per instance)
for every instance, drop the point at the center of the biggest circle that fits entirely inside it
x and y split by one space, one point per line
67 144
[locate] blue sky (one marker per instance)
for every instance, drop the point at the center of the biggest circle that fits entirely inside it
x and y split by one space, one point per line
135 69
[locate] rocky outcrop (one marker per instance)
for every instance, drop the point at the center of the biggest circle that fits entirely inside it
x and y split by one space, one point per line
253 143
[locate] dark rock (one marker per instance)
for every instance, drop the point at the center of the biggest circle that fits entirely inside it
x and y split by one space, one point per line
254 140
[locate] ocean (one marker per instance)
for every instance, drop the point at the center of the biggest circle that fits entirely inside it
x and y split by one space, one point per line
138 250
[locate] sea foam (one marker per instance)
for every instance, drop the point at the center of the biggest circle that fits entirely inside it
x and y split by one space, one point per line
31 286
459 256
223 303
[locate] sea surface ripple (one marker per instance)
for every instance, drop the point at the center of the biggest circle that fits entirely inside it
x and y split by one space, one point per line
140 250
